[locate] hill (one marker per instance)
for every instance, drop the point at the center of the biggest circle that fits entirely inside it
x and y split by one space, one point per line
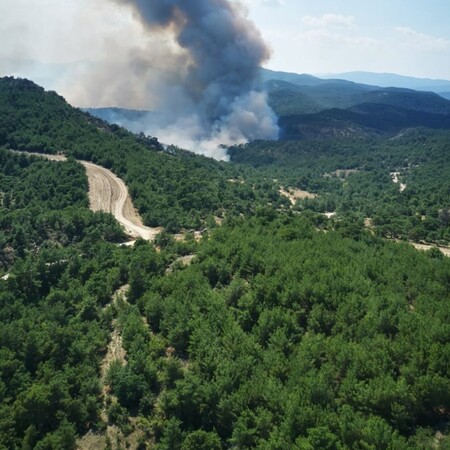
353 177
280 329
310 107
172 188
343 108
393 80
361 120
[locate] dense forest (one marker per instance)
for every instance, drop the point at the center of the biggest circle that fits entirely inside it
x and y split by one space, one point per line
354 178
61 270
282 337
280 329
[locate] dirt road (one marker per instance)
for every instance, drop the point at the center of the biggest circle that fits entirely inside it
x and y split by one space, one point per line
107 192
444 250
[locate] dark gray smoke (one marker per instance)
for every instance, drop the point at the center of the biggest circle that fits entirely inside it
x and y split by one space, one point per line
212 93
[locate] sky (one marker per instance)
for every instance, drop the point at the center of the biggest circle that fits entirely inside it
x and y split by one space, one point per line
408 37
54 42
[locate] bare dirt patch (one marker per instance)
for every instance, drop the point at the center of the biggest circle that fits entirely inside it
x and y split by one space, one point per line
395 176
342 173
295 194
426 247
368 222
57 157
182 260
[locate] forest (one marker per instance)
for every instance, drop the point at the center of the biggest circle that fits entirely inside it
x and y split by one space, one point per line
353 178
286 329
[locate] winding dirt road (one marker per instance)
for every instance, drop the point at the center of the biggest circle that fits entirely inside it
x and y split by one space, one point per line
107 192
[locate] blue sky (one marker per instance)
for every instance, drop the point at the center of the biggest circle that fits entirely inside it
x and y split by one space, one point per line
410 37
54 41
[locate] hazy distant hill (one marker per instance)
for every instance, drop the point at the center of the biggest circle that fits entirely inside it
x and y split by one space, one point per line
291 93
116 114
311 107
131 119
360 120
394 80
302 79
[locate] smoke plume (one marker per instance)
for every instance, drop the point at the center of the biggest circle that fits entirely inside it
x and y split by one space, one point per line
200 67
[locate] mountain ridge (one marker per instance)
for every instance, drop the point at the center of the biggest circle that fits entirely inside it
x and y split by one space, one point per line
385 79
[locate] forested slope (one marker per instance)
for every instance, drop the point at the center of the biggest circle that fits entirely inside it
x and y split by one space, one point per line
282 337
353 177
286 330
171 188
61 271
44 206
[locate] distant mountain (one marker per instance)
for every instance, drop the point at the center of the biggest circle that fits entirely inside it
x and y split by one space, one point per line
394 80
362 120
311 107
289 98
299 79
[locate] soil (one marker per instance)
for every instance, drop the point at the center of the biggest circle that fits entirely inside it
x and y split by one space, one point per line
396 179
295 194
425 247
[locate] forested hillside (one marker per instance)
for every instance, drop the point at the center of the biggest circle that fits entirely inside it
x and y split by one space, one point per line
60 272
279 336
280 329
172 188
311 107
354 179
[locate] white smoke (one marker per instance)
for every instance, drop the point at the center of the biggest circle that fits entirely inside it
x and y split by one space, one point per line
197 65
